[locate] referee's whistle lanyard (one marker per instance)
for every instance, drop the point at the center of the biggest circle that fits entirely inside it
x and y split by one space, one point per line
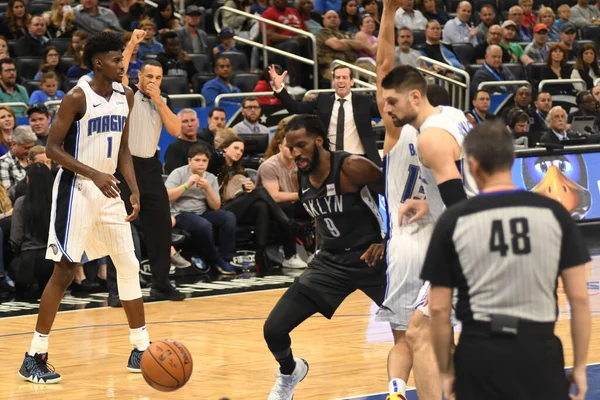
477 117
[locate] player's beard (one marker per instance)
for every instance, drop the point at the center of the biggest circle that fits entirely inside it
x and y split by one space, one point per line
408 118
312 164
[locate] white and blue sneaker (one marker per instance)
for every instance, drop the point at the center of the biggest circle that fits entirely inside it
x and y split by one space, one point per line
285 384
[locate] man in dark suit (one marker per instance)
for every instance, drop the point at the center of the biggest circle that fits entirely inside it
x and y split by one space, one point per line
346 115
32 44
557 123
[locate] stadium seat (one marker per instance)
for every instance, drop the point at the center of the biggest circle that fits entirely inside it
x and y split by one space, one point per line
245 81
452 5
185 103
239 61
478 3
199 80
38 7
11 46
419 37
69 84
472 68
505 5
31 86
27 67
464 52
592 32
212 42
517 69
61 44
534 71
67 62
174 85
201 62
149 56
3 7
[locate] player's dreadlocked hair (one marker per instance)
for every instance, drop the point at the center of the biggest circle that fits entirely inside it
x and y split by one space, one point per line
313 126
101 43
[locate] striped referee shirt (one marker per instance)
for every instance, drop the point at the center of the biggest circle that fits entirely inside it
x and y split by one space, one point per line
145 125
504 252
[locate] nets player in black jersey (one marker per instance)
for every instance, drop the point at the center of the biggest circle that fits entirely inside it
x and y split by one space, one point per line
334 188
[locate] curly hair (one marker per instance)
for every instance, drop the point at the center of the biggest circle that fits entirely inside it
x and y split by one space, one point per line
103 42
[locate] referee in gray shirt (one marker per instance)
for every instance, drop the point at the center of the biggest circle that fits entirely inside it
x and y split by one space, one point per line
150 112
504 251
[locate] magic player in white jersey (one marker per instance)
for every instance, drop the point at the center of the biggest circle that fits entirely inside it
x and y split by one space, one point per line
89 138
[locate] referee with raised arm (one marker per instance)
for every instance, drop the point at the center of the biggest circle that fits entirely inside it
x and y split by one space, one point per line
150 112
504 251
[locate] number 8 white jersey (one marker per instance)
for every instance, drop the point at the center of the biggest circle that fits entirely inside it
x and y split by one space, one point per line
95 138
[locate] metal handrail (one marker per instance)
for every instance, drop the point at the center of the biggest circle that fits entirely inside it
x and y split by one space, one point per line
504 83
313 91
559 81
356 70
243 94
265 48
597 82
16 104
188 96
464 97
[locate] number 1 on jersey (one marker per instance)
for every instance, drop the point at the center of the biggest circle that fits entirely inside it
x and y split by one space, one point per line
110 139
413 172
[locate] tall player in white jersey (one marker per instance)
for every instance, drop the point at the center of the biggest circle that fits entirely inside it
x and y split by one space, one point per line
89 137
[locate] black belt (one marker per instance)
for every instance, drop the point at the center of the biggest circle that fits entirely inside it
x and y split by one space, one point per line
502 325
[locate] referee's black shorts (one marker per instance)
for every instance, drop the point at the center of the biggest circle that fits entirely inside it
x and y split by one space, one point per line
331 277
527 366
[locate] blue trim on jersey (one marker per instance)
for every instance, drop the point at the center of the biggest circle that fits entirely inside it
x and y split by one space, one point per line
509 191
386 168
62 250
72 193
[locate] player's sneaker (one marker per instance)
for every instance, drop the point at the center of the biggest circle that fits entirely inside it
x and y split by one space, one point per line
396 396
37 370
285 384
294 262
135 359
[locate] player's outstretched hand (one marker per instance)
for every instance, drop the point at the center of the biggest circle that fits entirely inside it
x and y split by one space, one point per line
373 254
392 4
137 36
578 379
135 205
275 77
107 184
448 386
413 208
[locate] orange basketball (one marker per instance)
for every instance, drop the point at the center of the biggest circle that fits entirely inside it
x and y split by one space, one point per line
167 365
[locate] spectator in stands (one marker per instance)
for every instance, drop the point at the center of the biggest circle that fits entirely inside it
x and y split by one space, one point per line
4 50
32 44
596 93
564 14
334 44
436 50
349 17
120 7
322 6
221 84
523 34
94 19
196 206
557 122
50 63
29 232
251 112
174 61
289 41
494 36
192 38
312 18
493 71
430 11
529 18
547 18
216 120
163 15
13 163
135 62
481 106
48 90
226 41
259 6
487 15
39 121
79 69
149 45
238 23
60 21
8 122
543 104
136 14
176 154
16 19
557 68
6 210
405 54
586 67
78 37
587 108
523 99
582 14
371 7
278 175
509 31
356 137
538 49
366 34
518 122
457 30
568 33
10 90
409 17
264 85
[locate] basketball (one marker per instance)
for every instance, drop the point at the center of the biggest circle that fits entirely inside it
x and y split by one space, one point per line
167 365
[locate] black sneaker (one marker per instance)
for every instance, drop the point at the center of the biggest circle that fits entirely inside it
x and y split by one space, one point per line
37 370
135 359
166 294
114 301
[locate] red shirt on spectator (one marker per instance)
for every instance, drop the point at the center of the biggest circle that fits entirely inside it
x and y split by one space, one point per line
264 86
529 20
289 17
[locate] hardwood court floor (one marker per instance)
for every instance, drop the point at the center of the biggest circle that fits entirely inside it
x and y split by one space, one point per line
347 355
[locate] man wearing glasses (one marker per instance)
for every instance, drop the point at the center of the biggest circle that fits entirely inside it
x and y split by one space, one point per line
10 90
252 112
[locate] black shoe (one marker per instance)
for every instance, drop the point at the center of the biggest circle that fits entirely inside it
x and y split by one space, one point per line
114 301
35 369
135 359
263 264
166 294
144 282
85 286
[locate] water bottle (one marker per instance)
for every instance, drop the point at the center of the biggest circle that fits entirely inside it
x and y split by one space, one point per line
245 267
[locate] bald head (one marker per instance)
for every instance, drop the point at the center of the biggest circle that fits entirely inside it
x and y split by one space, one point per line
493 56
331 20
494 35
515 14
463 12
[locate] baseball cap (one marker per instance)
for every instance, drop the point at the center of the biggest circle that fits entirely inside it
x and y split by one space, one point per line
193 10
540 27
568 27
37 107
226 32
509 23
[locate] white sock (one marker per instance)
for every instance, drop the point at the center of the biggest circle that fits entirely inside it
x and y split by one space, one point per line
139 338
397 386
39 343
